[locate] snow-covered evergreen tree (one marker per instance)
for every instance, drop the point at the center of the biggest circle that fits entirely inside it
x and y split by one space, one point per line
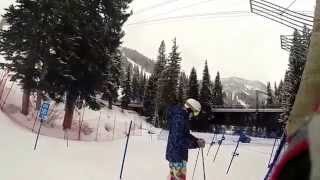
169 83
181 88
24 44
206 101
218 91
127 89
81 63
269 95
135 83
141 86
276 94
152 88
297 60
193 88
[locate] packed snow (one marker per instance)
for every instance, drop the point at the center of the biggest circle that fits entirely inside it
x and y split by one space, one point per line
100 158
242 103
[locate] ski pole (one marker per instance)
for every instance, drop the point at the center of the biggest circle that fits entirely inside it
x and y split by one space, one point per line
125 150
36 143
274 145
276 156
220 143
212 143
194 169
235 153
203 166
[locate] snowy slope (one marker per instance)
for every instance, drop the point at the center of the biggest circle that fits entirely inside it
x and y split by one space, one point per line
92 159
242 92
103 125
99 161
139 66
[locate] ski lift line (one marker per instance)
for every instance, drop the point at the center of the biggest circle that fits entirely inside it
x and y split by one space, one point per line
155 6
285 42
288 46
289 42
291 25
297 51
194 15
288 10
191 16
293 18
169 20
289 20
180 8
290 37
294 1
289 49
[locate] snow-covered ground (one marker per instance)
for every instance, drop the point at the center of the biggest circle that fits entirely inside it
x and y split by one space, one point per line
101 160
103 125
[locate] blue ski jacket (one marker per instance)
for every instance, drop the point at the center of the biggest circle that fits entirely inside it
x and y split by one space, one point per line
179 139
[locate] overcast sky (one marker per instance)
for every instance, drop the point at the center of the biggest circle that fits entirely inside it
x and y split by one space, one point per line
246 46
243 46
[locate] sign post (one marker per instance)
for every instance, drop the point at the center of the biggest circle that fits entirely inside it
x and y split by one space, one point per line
43 116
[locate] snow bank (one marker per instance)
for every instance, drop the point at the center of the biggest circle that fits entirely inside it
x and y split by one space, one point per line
103 125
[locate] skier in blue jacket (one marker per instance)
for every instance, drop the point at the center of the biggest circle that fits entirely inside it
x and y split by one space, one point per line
180 139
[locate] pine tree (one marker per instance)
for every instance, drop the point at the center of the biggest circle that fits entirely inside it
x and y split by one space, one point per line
25 45
206 101
285 95
218 91
280 93
135 84
181 88
141 86
169 83
127 90
193 88
151 90
297 60
84 51
269 94
114 78
275 95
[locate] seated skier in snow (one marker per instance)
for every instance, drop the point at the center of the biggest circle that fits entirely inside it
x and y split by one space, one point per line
180 139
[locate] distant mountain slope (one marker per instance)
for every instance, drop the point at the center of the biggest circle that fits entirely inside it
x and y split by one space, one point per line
137 58
242 92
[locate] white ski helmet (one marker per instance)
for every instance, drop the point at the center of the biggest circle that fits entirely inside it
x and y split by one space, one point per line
194 105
